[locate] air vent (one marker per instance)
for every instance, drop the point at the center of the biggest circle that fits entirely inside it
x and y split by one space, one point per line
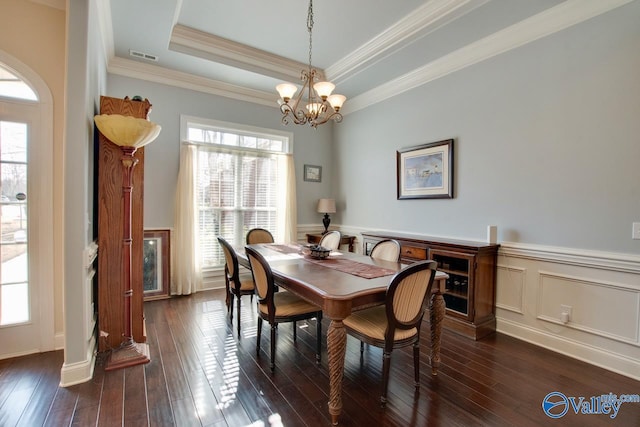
142 55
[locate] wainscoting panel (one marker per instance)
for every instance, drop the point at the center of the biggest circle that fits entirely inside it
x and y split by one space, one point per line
616 306
602 289
510 293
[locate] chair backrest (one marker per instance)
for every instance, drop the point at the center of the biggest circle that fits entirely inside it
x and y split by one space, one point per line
331 240
388 250
231 259
407 295
262 277
259 235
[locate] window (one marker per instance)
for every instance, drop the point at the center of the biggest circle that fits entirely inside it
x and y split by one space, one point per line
11 86
240 184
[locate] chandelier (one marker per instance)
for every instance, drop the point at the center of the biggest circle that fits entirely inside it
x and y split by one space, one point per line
319 106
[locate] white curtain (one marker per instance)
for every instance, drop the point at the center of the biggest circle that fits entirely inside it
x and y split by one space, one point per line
187 274
287 205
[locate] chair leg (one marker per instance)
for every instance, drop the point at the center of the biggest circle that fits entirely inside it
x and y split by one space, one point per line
361 349
259 335
295 331
318 337
273 347
416 364
386 362
231 298
239 307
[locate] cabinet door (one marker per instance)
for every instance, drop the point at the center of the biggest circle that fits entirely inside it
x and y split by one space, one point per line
458 295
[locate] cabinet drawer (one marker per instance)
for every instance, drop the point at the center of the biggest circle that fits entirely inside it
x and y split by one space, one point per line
413 252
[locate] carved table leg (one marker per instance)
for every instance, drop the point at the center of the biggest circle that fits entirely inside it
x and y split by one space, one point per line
336 348
436 316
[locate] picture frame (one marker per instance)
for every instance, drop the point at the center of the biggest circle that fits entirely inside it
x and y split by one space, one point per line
313 173
156 264
425 171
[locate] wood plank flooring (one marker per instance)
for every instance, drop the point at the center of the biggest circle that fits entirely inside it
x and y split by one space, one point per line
202 374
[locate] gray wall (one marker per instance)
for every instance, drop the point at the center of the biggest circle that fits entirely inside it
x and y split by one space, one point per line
547 144
163 155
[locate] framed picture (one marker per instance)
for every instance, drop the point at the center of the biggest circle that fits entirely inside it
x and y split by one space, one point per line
426 171
312 173
155 274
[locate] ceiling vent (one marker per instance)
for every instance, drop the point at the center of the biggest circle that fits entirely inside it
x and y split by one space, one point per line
142 55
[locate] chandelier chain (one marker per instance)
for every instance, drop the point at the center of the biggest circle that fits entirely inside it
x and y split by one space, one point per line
310 28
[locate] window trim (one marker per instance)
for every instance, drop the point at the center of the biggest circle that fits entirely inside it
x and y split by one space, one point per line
246 130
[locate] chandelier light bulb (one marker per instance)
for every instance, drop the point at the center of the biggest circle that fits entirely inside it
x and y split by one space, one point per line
336 101
286 91
315 108
324 89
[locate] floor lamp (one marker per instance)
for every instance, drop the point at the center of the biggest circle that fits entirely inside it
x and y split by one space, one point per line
129 134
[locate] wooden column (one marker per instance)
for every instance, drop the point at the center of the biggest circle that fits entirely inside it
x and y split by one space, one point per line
110 231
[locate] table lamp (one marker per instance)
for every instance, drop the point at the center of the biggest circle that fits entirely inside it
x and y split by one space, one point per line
129 134
326 206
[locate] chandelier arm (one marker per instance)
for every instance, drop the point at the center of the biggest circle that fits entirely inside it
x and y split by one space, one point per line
335 116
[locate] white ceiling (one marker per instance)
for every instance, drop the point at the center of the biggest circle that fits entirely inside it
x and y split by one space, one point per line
371 49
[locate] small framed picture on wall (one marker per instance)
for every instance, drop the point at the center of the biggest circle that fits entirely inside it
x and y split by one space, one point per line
313 173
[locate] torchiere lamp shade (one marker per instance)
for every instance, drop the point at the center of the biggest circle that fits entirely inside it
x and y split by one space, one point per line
127 131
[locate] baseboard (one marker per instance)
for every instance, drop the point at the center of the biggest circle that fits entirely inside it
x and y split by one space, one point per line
615 362
79 372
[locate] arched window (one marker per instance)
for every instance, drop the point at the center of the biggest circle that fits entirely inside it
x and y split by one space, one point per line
12 86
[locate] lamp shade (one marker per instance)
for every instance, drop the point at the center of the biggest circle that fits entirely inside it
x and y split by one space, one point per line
127 131
326 206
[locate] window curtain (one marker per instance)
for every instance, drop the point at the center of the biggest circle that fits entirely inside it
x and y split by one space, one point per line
288 204
187 274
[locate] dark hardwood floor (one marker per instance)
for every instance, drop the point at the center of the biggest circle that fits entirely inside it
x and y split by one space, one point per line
201 374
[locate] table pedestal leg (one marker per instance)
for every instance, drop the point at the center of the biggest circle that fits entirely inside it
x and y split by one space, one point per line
336 348
436 316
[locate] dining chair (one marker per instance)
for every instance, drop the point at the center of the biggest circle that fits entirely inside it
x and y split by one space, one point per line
331 240
279 307
237 284
387 249
396 323
259 235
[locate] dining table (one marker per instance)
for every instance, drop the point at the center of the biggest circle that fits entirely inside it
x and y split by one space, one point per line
340 284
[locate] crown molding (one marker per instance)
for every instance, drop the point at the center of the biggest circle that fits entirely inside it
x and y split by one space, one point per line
426 19
550 21
157 74
208 46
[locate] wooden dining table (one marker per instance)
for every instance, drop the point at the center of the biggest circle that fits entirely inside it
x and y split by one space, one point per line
341 284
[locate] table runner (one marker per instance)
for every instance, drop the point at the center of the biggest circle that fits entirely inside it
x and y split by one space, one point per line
285 249
356 268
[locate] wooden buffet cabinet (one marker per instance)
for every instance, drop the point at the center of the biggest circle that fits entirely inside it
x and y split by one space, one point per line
111 229
470 289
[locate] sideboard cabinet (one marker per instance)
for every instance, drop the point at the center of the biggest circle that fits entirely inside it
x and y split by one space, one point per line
470 289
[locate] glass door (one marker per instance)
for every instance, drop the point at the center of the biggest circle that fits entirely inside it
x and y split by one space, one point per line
14 255
26 217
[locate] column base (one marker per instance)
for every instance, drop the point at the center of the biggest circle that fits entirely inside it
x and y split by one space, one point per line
130 354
